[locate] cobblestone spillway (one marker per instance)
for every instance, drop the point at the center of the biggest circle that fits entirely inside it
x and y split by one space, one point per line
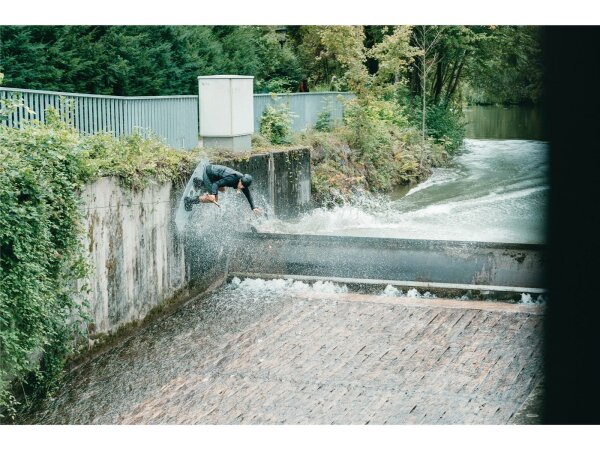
284 352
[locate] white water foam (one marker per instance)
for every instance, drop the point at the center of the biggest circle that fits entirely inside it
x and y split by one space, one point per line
527 299
290 286
438 177
449 220
281 285
392 291
496 192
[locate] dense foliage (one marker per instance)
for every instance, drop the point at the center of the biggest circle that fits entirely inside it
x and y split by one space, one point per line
40 176
141 60
42 170
419 77
477 63
508 67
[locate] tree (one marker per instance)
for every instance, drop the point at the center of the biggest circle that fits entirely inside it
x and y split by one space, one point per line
426 38
394 54
138 60
506 66
345 45
24 52
483 64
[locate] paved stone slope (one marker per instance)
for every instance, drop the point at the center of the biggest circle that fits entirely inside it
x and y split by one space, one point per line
357 359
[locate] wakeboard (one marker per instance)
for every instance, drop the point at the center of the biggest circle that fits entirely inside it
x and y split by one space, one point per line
182 216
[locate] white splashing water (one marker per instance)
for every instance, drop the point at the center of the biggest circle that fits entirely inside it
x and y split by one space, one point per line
527 299
279 286
496 191
258 289
289 286
391 291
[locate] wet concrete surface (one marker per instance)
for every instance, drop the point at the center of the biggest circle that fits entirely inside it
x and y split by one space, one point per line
275 354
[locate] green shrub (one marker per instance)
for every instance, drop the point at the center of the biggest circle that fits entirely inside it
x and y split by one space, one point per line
445 124
324 122
41 172
276 84
135 160
376 129
276 125
367 153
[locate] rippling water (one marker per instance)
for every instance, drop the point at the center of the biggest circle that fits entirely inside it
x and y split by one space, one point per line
113 384
109 388
496 191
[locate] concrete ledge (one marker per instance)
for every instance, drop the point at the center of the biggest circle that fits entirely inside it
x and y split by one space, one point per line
420 263
430 302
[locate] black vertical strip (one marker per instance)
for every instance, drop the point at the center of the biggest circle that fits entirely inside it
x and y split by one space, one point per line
572 326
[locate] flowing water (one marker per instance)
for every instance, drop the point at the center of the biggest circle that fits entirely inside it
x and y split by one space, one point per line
110 386
495 190
176 359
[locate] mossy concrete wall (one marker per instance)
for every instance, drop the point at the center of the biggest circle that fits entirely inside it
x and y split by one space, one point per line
137 260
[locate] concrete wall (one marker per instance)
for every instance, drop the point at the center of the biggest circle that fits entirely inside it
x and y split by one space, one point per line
137 260
281 179
455 262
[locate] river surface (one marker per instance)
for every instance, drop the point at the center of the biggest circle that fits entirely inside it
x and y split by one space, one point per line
495 190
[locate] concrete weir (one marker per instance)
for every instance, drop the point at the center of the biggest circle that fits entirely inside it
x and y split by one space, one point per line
444 266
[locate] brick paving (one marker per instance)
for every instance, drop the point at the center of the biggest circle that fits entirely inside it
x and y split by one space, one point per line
360 359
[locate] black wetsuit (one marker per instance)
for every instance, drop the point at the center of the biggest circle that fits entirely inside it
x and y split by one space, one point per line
216 176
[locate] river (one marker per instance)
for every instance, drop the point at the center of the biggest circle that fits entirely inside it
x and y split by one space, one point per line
494 190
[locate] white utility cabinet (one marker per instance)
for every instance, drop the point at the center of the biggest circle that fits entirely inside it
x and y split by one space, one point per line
226 112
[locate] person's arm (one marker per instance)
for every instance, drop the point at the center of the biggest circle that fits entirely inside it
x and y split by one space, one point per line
246 192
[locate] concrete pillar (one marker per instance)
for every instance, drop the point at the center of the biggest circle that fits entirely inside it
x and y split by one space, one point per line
226 111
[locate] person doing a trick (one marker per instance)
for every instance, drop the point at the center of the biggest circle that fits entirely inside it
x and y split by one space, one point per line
216 178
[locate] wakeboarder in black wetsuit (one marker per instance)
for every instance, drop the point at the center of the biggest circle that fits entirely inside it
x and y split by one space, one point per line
216 178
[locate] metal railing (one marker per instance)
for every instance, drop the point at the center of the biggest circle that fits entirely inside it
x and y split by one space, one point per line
172 118
305 107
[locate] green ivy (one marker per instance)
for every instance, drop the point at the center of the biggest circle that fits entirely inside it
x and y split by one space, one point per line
41 173
43 168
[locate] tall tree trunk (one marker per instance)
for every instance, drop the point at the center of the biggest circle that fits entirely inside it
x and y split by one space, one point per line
449 78
452 89
424 104
439 81
415 79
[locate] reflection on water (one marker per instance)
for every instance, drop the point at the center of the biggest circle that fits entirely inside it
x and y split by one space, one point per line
499 122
